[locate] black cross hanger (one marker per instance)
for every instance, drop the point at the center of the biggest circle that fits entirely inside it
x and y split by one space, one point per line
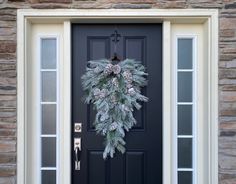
115 38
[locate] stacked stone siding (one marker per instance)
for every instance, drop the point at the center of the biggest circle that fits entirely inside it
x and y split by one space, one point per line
227 73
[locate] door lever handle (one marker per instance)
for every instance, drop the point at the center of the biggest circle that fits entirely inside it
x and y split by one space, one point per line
77 150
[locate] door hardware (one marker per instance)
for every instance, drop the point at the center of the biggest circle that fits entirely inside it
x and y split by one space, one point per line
115 36
78 127
77 150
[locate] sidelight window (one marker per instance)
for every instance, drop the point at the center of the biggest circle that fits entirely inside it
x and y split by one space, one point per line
185 110
49 110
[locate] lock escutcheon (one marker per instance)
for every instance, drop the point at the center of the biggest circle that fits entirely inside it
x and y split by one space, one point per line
78 127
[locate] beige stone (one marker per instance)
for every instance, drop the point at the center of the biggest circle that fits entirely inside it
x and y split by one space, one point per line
227 33
7 158
8 46
228 88
7 171
228 96
7 146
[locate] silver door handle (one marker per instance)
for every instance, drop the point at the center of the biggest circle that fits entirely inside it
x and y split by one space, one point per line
77 150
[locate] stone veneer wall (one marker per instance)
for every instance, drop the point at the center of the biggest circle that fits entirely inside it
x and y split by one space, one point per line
227 73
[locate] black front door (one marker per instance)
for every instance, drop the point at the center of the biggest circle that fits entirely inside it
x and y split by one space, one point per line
142 162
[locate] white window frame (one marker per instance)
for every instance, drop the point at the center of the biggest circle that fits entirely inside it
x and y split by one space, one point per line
40 37
193 103
208 18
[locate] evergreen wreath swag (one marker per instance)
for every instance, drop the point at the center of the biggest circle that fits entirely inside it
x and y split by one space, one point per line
114 90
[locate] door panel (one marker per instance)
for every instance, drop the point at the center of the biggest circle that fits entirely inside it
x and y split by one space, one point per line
142 162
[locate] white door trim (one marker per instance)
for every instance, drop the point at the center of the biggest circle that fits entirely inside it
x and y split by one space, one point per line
208 17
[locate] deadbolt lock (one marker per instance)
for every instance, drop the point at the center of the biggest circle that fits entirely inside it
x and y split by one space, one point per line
78 127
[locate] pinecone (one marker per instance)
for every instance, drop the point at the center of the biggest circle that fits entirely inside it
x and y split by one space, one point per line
116 69
108 69
127 76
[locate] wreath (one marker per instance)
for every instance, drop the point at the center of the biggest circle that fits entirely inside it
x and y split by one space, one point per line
114 90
